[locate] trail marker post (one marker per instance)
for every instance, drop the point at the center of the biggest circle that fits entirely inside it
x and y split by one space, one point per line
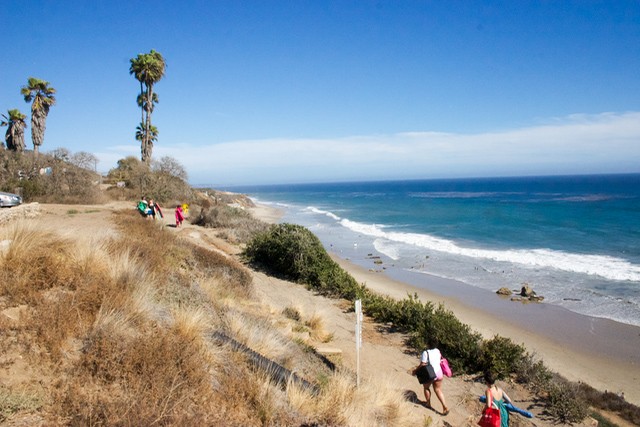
358 339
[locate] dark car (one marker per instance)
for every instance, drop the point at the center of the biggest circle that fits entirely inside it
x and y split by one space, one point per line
9 199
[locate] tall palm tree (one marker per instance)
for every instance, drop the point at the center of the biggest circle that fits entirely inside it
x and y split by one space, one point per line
41 96
148 69
15 132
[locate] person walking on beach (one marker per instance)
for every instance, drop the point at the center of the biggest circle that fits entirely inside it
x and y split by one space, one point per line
432 356
496 397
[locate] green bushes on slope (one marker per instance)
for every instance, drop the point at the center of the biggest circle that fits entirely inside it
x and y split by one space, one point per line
294 253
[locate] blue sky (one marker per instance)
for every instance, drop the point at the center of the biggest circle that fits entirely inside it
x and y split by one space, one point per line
313 91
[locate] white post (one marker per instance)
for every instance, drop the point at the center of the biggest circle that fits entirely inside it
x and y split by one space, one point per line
358 339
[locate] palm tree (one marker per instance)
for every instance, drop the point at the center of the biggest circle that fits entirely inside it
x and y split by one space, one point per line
148 69
141 132
41 94
15 132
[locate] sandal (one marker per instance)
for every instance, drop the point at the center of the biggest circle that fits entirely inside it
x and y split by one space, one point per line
445 411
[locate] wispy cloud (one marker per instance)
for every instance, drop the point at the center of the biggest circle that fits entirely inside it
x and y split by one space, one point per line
607 142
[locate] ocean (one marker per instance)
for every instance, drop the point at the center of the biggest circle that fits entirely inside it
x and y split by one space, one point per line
574 239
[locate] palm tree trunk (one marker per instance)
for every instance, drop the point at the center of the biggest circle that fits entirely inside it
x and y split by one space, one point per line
38 124
148 147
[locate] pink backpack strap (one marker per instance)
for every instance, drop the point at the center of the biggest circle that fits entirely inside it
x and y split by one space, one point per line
490 399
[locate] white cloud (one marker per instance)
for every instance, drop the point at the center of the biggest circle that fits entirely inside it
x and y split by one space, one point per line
607 142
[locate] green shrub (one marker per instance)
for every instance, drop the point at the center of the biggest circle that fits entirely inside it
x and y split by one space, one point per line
565 403
288 250
533 373
294 253
501 356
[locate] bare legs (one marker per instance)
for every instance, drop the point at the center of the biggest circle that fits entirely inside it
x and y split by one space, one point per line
427 394
437 388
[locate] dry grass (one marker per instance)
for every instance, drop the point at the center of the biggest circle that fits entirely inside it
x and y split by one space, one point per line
233 224
114 329
259 335
318 332
35 260
18 400
156 377
342 403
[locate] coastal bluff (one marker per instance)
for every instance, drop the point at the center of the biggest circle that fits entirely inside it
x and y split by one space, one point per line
383 355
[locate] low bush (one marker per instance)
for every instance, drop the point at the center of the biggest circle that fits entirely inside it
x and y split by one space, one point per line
294 253
501 356
609 401
533 373
237 225
565 403
292 313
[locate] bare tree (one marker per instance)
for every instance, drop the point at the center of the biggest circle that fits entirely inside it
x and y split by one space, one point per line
170 166
84 160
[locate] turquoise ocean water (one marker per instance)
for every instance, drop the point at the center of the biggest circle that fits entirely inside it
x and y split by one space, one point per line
575 239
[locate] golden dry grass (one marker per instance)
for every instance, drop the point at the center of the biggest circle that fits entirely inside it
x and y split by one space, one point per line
116 331
317 328
341 402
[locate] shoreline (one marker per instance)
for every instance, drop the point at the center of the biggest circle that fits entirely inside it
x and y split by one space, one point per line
600 352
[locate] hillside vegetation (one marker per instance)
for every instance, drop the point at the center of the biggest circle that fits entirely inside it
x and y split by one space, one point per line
116 329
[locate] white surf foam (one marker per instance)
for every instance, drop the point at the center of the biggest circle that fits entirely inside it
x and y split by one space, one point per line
323 212
604 266
387 248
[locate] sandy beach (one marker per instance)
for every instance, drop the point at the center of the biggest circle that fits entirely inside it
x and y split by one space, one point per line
599 352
